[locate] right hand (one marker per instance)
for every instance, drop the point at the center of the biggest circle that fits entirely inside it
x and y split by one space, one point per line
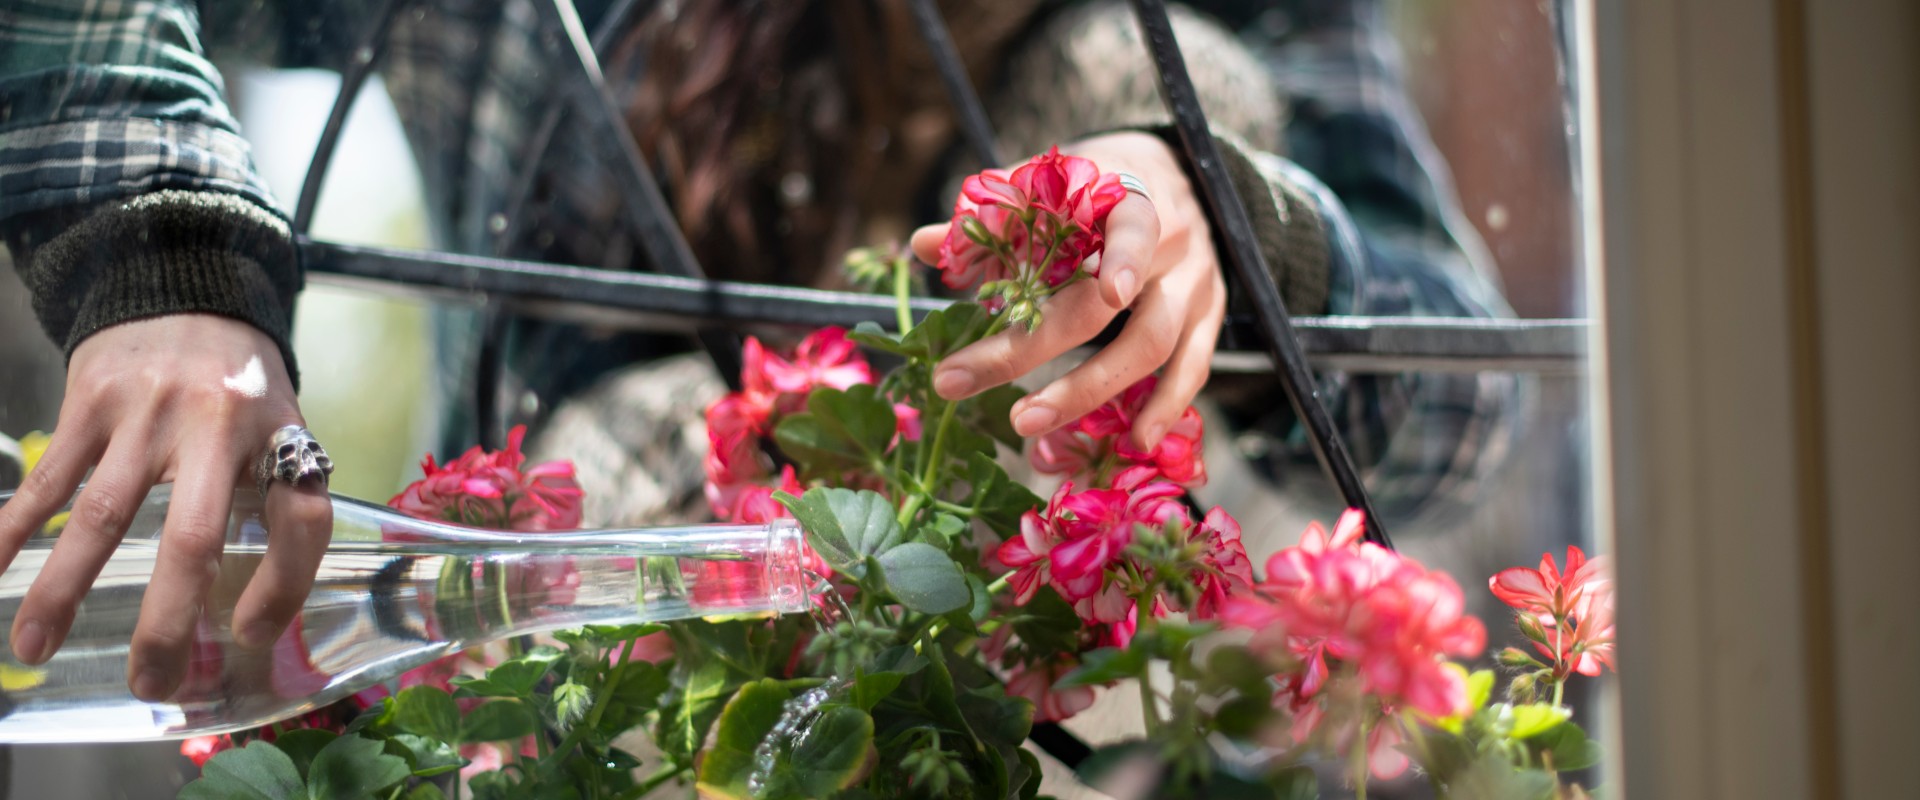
190 399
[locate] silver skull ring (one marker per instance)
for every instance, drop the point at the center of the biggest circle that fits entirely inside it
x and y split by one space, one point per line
292 456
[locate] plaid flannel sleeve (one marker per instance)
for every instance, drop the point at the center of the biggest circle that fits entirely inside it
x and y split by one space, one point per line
1399 246
126 190
102 100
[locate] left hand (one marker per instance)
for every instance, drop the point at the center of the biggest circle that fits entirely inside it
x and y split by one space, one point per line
1158 260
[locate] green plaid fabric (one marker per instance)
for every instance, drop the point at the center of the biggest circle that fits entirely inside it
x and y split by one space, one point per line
102 100
106 99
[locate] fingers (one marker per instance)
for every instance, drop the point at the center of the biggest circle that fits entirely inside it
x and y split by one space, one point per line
189 560
1133 234
100 518
1072 317
48 487
300 522
1146 343
926 242
1185 374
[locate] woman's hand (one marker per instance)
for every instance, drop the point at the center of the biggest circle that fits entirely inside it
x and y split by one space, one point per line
190 399
1158 261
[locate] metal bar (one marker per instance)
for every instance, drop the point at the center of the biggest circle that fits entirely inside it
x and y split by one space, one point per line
649 301
653 223
536 152
1249 266
975 127
351 81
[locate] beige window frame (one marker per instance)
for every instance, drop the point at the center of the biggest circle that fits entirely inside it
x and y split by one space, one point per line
1754 240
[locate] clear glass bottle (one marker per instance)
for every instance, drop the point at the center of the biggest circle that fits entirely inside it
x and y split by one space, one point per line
392 593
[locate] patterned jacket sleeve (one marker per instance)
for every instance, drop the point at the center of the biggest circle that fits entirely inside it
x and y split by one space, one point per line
126 190
1358 218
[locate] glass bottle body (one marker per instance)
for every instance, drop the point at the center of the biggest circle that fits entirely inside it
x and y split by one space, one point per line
391 594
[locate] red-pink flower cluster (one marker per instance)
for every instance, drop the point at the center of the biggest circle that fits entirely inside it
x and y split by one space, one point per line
491 490
1041 220
1572 611
1091 448
1337 605
1079 543
738 469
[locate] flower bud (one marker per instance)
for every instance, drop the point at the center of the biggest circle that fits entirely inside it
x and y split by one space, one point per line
1530 628
1521 689
1515 657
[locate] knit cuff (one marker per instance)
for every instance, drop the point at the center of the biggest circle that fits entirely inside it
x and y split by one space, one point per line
168 252
1286 223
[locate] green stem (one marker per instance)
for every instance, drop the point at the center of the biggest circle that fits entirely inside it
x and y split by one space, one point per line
1559 683
901 283
654 781
599 709
1360 759
1148 715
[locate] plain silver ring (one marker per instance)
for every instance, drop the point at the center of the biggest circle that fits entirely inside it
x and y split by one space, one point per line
1132 183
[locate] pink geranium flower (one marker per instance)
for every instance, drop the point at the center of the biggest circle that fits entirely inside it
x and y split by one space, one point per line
1225 570
1050 704
1548 591
491 490
1336 598
1079 535
1041 220
1103 440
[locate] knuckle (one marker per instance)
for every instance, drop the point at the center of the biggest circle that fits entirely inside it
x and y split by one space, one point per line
198 540
102 512
161 640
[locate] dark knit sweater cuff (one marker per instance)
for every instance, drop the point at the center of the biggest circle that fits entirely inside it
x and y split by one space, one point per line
1286 223
169 252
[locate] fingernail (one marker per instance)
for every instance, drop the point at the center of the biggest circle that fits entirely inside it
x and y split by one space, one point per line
1034 419
31 640
1126 283
952 383
150 685
256 635
1154 433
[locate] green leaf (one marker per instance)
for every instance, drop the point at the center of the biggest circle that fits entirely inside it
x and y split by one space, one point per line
991 413
869 690
426 757
302 744
839 430
498 721
353 767
570 703
611 635
870 334
470 686
427 711
1134 760
845 526
828 754
519 675
1479 689
1568 747
258 771
1047 624
1104 666
744 723
425 791
1534 719
924 578
945 331
701 688
1242 717
997 500
1493 775
941 531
